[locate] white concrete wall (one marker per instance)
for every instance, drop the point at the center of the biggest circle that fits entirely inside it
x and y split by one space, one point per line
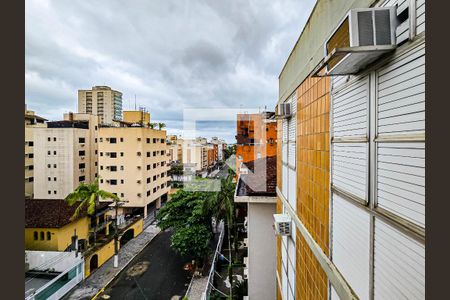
261 252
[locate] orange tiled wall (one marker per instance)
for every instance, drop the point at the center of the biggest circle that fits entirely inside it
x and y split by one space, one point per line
313 179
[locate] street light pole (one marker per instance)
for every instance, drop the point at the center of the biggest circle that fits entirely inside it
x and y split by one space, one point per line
116 238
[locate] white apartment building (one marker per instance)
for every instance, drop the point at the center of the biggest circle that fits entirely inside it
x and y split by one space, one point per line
65 154
133 164
101 101
31 121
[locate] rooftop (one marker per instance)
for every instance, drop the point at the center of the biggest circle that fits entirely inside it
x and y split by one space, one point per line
263 182
68 124
51 213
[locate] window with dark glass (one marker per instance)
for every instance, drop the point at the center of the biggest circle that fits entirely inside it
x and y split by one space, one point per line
81 140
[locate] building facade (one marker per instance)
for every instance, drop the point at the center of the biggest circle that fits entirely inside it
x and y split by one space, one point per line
352 158
101 101
256 137
31 121
65 154
133 164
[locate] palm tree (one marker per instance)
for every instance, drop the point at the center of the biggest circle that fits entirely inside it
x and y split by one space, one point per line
152 125
88 196
161 125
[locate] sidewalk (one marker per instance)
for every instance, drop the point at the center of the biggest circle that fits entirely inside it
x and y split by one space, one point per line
106 273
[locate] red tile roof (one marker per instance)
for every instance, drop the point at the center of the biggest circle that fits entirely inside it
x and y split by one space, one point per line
259 184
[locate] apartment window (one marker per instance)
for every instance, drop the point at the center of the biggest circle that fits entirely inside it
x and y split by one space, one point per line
148 140
154 140
121 153
81 140
121 139
54 139
154 165
162 174
163 163
49 179
138 139
148 154
163 152
54 166
30 167
162 141
121 168
30 144
162 185
148 180
95 163
81 178
49 139
49 152
49 192
113 182
31 179
154 190
81 166
154 153
96 127
113 154
113 168
112 140
54 192
82 153
101 167
54 152
96 151
122 181
148 193
154 177
95 140
101 140
49 236
42 236
95 175
101 153
35 235
101 180
148 167
139 154
54 178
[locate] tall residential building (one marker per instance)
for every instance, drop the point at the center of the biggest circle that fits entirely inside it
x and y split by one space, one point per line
256 188
195 155
101 101
31 121
175 149
351 154
256 137
65 154
221 145
133 163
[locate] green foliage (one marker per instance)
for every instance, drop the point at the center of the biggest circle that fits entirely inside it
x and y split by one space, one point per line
229 151
161 125
88 195
240 290
192 241
176 169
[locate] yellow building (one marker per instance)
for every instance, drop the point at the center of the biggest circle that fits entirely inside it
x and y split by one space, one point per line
48 226
136 116
31 121
133 163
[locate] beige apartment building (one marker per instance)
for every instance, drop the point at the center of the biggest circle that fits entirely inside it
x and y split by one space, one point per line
195 155
175 149
101 101
31 121
133 163
65 154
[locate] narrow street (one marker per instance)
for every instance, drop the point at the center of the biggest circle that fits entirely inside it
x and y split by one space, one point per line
156 273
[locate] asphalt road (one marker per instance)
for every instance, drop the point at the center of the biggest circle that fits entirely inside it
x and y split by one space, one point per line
156 273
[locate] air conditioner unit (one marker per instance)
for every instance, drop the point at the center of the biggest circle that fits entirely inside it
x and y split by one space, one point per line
82 157
108 167
245 273
138 181
361 37
283 110
139 194
282 224
107 153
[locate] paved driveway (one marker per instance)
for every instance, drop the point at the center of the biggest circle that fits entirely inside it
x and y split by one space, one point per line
156 273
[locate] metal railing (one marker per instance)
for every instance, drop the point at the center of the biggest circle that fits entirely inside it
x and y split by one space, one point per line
206 293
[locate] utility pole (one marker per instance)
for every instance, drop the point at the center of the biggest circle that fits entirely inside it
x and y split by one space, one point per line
116 233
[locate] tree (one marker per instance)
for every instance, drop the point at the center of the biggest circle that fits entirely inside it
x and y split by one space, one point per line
152 125
161 125
192 241
230 150
176 169
88 196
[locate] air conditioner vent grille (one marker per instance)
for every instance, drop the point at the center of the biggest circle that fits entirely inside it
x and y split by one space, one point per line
383 27
365 28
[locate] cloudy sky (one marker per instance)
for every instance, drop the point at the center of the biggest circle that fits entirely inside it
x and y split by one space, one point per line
171 54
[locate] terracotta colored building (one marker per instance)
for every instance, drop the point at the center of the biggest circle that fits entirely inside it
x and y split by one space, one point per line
256 137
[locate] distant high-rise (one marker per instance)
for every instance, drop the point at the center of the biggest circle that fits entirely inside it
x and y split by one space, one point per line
101 101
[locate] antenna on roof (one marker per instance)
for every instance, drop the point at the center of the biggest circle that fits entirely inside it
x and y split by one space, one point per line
134 101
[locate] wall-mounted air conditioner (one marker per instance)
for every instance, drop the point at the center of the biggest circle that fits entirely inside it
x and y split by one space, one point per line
361 37
283 110
282 224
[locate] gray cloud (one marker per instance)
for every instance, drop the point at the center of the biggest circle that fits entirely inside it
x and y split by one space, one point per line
170 54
